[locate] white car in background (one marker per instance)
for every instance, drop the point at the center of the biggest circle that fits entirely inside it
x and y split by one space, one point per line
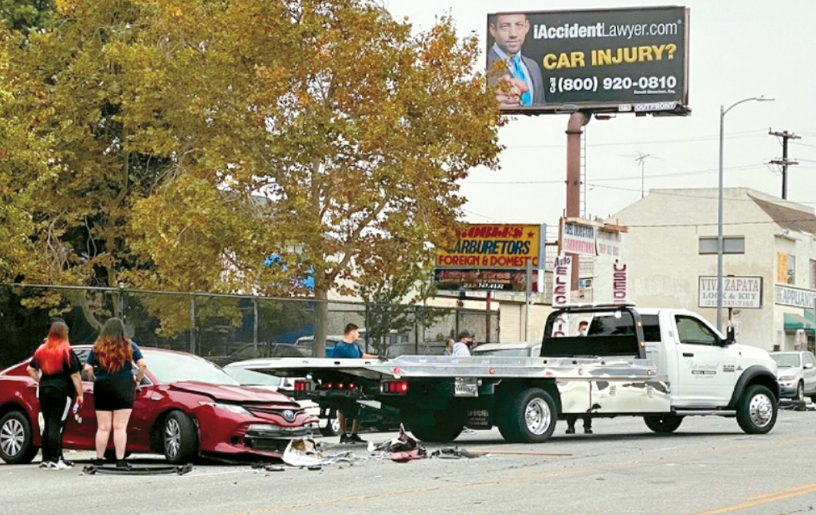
796 372
508 350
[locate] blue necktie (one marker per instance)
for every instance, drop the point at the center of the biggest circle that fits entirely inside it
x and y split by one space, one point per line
518 72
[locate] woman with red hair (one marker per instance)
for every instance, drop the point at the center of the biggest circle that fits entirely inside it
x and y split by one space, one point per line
110 365
55 367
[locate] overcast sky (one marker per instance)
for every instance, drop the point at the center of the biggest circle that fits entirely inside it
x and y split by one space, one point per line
738 49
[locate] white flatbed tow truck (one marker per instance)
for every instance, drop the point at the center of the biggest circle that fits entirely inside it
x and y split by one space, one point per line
659 364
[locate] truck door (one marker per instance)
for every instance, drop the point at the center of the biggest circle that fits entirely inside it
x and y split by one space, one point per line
705 375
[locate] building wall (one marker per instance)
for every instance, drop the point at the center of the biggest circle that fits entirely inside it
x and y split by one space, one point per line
662 254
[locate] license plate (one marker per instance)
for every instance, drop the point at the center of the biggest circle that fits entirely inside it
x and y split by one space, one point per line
465 388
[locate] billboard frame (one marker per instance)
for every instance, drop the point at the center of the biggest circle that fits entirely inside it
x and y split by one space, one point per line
664 108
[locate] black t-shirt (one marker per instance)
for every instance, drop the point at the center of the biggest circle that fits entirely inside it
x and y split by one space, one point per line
62 379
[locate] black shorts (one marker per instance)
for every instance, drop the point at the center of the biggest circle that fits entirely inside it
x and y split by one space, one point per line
115 393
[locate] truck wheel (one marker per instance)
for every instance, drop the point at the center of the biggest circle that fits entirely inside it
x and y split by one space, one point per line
446 428
663 423
530 418
179 439
16 439
756 412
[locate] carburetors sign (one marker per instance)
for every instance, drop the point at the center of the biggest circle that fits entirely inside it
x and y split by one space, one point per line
506 246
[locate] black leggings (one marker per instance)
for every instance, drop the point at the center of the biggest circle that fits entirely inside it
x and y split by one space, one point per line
54 405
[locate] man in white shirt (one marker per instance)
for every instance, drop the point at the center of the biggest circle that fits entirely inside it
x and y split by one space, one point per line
462 348
525 81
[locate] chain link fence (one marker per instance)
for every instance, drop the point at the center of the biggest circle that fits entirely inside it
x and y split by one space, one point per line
226 328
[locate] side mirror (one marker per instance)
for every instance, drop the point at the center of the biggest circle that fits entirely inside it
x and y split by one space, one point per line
730 337
808 365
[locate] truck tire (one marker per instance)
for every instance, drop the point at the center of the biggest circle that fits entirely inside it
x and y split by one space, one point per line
16 439
446 428
530 417
663 423
179 438
756 410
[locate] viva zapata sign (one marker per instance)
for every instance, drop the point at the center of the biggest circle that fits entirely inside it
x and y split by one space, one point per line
493 246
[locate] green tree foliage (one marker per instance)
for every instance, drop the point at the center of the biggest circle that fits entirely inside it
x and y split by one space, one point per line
158 120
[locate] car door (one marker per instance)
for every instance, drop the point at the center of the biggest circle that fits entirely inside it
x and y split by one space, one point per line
80 428
706 370
143 415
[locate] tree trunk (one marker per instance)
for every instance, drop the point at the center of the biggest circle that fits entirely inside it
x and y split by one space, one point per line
321 315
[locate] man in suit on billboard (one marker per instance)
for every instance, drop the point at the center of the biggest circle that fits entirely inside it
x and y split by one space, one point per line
525 83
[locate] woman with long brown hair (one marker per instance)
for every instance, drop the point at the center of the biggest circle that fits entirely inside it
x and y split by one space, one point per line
110 365
55 369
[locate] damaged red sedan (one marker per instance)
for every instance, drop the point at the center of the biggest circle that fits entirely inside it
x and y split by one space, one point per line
185 407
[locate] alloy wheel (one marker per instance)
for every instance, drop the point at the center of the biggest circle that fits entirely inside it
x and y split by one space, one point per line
12 437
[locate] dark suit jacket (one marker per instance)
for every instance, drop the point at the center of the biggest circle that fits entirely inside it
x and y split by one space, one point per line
532 67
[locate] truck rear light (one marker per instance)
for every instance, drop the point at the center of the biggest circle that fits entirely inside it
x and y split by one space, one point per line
300 386
394 387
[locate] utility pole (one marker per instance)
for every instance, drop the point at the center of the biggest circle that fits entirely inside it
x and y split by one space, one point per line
784 162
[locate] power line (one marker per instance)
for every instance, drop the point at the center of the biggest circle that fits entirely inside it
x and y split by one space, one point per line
738 135
627 178
671 194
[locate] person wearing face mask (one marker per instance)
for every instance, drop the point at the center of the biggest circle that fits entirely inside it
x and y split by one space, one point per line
583 329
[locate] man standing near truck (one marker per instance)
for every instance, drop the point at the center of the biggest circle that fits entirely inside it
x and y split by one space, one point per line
462 347
349 348
583 329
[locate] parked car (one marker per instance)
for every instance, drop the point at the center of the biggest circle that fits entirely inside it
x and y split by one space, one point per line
796 373
185 407
262 350
422 349
508 350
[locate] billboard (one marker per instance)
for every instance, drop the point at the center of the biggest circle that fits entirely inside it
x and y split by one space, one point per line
738 292
507 246
611 60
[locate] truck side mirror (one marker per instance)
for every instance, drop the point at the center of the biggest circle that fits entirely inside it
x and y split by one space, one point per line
730 337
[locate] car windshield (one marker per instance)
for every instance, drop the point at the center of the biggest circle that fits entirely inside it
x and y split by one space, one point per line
786 360
252 378
169 367
502 352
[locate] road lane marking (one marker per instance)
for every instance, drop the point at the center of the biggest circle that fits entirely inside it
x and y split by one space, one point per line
680 454
445 486
765 499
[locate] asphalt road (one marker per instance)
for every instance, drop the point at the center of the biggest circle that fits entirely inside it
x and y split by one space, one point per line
709 466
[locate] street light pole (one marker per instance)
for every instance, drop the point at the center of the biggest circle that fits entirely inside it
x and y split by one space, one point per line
720 287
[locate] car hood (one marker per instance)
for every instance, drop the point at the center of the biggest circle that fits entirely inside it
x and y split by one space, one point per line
756 356
231 393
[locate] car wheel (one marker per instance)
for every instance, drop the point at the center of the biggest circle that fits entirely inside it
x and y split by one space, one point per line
16 438
332 427
756 412
179 439
800 392
663 423
531 417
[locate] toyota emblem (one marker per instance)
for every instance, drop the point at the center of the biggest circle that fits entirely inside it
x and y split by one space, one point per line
289 415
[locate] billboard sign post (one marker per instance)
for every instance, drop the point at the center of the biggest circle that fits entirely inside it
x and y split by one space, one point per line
610 60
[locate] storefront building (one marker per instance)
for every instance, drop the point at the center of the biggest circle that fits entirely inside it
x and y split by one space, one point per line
770 288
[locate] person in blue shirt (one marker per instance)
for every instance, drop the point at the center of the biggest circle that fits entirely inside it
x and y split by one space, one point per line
110 366
350 349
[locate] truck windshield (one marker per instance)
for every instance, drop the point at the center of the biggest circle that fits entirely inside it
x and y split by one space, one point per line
786 360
